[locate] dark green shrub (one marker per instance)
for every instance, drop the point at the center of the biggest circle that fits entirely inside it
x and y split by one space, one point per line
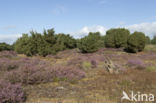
5 46
48 43
154 40
116 38
109 39
89 43
21 45
99 39
64 42
148 41
136 42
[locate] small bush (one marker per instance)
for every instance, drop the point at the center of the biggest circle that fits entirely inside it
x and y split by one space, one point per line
136 42
11 93
116 38
89 44
4 46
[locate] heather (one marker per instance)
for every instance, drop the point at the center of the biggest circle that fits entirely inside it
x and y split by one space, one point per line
11 93
136 63
29 74
8 54
70 74
34 71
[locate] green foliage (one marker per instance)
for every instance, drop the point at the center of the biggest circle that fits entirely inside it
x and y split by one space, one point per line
22 44
89 43
64 41
136 42
154 40
48 43
148 41
5 46
117 38
110 39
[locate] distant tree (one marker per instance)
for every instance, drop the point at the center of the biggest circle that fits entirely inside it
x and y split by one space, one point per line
148 41
5 46
117 37
153 41
136 42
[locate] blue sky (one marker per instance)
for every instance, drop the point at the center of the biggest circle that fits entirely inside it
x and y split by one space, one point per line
77 17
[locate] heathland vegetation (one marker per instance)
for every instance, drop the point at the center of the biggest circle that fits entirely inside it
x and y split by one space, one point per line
49 42
57 68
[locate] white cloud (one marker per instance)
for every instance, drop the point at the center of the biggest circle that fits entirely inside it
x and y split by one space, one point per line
148 28
85 30
9 38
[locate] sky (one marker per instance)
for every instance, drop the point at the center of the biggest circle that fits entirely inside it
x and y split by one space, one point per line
76 17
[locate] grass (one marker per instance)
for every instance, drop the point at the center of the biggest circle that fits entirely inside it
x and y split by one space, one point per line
86 65
151 69
150 48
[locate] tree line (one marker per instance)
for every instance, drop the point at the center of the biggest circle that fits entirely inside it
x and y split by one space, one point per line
49 42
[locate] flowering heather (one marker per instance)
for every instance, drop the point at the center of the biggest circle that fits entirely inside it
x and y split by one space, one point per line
94 63
7 64
11 93
34 71
8 54
136 63
68 72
